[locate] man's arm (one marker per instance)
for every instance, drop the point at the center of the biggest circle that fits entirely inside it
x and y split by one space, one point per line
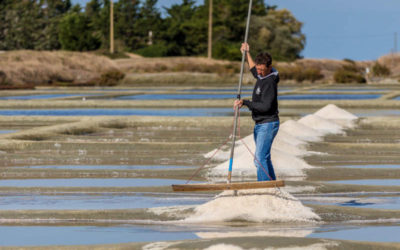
246 48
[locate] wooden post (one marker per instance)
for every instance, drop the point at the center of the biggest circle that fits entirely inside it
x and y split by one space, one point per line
111 27
210 13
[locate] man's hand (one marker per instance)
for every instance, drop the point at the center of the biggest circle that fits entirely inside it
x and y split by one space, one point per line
238 104
245 47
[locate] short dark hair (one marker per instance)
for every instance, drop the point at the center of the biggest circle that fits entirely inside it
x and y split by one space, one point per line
264 58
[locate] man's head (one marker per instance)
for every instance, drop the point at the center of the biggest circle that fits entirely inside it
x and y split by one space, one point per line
263 63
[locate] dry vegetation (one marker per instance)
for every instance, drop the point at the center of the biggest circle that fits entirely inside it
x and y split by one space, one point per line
44 67
24 69
175 64
392 62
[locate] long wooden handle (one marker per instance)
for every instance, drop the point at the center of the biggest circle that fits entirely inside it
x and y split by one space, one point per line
239 95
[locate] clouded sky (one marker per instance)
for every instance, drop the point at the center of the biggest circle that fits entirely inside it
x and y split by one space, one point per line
338 29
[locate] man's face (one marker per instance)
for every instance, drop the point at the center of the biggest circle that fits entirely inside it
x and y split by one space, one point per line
262 69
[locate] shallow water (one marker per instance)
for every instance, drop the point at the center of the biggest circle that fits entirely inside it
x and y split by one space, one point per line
385 202
7 131
359 233
63 235
329 97
374 182
177 97
87 182
349 90
102 201
218 90
85 235
195 112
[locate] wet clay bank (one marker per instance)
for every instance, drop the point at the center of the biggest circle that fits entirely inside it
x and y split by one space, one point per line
179 144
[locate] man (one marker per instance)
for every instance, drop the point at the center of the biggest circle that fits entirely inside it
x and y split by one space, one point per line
264 110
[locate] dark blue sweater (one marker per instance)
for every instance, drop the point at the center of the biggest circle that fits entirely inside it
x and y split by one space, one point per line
264 103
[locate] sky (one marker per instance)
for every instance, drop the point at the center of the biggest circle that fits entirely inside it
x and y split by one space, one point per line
339 29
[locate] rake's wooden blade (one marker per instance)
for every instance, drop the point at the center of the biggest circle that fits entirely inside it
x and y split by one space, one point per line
227 186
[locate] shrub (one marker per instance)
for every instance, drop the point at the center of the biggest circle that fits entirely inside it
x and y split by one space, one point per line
115 55
349 73
225 69
344 75
228 51
380 70
155 50
78 131
300 74
3 78
111 78
349 61
313 74
31 137
115 124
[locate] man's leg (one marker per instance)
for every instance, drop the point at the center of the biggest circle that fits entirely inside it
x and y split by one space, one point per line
273 132
264 135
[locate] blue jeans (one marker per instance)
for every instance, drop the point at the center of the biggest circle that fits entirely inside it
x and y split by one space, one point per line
264 135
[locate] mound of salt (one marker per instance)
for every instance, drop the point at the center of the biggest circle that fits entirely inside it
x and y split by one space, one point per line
283 145
256 205
288 138
340 116
285 164
321 124
301 131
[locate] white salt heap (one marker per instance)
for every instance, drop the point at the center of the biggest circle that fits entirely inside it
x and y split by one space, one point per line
289 144
301 131
273 204
338 115
322 125
256 205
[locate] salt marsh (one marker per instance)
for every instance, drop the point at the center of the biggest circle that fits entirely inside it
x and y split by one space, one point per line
105 179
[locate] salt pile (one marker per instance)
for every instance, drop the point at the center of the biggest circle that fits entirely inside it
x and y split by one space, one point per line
256 205
338 115
289 144
322 125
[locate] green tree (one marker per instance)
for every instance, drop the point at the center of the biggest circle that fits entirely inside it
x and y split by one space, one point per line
149 20
229 26
4 25
278 33
126 16
22 24
76 32
51 12
98 12
186 32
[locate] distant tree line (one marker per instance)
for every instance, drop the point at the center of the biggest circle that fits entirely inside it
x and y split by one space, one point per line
139 27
